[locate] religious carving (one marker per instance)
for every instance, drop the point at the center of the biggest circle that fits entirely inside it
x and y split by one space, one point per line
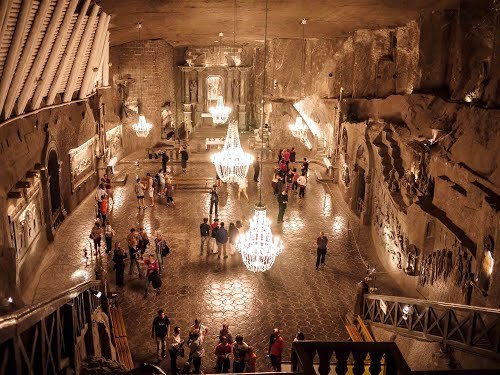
193 88
114 140
127 107
167 121
346 175
81 163
487 262
214 87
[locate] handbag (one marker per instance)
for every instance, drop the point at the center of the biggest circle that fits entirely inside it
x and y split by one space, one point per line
165 251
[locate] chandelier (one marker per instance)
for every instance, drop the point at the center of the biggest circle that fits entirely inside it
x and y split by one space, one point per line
298 128
142 127
220 113
258 246
232 163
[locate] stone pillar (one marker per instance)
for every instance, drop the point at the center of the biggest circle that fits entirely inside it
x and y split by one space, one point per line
186 106
199 101
236 87
229 84
186 87
242 114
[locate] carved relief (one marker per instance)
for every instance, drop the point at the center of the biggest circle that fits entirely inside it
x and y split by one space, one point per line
214 87
346 175
114 140
82 163
127 107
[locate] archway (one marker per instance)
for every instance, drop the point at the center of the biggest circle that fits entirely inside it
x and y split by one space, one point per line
54 188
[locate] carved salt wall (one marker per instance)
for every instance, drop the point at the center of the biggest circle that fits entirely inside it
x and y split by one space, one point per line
82 163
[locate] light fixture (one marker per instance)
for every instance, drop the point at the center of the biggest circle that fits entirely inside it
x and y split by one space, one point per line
258 246
10 300
406 312
232 163
96 293
220 113
142 127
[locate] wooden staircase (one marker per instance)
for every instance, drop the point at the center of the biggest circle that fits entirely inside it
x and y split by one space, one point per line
357 329
120 336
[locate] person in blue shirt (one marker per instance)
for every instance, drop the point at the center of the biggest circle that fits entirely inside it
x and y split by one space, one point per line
221 238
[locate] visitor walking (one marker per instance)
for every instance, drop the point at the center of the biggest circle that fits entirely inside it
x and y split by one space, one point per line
242 187
292 155
226 332
282 202
169 191
295 185
161 183
222 352
302 182
196 350
274 181
256 169
322 242
286 157
214 200
214 227
175 349
233 234
221 238
205 236
109 233
276 346
184 159
118 258
161 249
305 166
160 331
99 196
133 251
107 186
150 189
152 274
104 210
139 192
96 236
239 351
143 240
164 161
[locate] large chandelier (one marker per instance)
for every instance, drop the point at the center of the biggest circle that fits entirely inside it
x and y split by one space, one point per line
258 247
220 113
298 128
232 163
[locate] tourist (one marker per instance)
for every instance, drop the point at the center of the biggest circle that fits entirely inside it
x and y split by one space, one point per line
302 182
133 252
161 182
107 186
143 240
274 181
256 169
160 330
169 191
242 187
139 192
205 236
184 159
239 351
214 200
250 360
280 156
233 234
289 181
322 242
152 274
96 235
175 349
199 328
276 345
283 167
104 209
150 189
292 154
99 196
161 249
286 157
118 258
226 332
109 233
282 202
164 161
214 227
305 166
294 360
222 352
294 181
221 238
196 351
280 184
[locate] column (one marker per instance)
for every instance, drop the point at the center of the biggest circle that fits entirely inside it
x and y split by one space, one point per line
186 86
229 84
242 114
186 106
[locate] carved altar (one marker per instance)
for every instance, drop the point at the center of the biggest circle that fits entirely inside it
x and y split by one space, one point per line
81 163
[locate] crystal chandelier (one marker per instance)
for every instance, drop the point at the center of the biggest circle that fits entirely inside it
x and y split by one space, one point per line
232 163
220 113
258 246
142 127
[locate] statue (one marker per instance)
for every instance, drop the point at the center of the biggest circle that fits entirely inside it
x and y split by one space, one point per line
460 270
126 107
193 88
167 121
448 264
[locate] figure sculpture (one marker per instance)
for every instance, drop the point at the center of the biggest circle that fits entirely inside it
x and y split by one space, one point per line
448 264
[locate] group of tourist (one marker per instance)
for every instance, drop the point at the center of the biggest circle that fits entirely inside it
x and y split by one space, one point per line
161 183
192 348
215 237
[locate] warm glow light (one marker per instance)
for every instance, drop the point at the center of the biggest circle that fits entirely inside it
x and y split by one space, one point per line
490 262
232 163
220 113
338 223
10 300
80 274
258 247
142 127
298 128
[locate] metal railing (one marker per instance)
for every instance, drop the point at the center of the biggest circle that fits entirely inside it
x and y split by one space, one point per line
42 338
470 328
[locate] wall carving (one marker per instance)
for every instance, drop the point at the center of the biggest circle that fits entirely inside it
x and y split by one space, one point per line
81 163
114 141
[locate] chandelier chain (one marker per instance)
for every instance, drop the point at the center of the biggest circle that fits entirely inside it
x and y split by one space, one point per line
263 108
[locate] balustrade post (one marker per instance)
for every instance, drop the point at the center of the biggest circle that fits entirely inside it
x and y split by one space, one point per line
375 362
342 356
359 362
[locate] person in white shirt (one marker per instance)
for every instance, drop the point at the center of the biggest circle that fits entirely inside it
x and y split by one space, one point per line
175 349
99 196
139 192
108 234
302 182
242 187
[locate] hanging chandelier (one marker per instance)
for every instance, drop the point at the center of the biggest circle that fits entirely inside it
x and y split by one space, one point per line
258 246
141 127
232 163
220 113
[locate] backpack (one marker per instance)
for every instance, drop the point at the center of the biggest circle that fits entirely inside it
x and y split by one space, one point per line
155 279
165 251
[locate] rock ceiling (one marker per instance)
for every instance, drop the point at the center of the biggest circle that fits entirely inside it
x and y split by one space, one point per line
198 22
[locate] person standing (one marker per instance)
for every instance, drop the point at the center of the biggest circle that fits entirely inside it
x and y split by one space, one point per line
226 332
221 239
242 187
99 196
109 233
161 183
239 352
175 350
322 242
196 350
250 360
286 156
214 200
205 236
214 227
139 192
161 249
143 240
292 154
133 252
107 186
169 191
104 210
184 159
150 189
305 166
118 258
164 161
276 349
96 235
222 352
233 234
302 182
152 274
282 202
294 359
294 181
256 169
160 331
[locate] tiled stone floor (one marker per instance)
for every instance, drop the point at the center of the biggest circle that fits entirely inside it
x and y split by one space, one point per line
291 296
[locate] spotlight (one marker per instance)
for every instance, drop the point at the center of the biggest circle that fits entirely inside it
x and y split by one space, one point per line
10 300
96 293
406 311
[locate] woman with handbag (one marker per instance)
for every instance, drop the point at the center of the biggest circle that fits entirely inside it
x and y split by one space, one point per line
176 349
109 232
96 235
143 240
119 267
161 249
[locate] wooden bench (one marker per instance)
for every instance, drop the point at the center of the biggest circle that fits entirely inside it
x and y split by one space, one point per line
120 335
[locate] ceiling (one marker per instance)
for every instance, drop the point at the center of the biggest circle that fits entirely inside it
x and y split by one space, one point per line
198 22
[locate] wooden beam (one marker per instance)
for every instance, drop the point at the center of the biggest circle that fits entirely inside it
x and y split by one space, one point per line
75 70
105 64
101 62
5 6
95 54
51 64
35 71
65 59
14 50
23 63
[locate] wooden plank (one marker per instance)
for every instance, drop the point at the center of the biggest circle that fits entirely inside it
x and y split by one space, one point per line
364 329
95 54
65 59
52 63
102 64
5 6
35 71
26 55
353 333
77 62
14 51
105 64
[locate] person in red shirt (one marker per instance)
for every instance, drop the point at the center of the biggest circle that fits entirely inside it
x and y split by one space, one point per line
152 271
213 232
283 165
222 351
286 156
276 345
104 210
